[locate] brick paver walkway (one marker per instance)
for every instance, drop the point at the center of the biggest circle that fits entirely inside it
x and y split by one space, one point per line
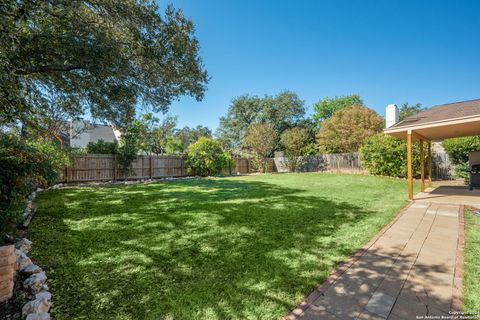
408 272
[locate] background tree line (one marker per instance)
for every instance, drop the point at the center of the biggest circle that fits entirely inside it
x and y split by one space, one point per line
257 126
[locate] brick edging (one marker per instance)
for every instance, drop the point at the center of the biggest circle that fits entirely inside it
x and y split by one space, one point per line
457 304
339 270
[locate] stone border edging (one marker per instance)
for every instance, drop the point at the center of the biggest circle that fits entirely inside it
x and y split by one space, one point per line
91 184
339 270
33 276
31 209
457 304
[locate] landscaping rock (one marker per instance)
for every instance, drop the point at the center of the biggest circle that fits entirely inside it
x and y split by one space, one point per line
36 306
22 259
29 213
44 288
23 245
38 316
31 269
36 282
43 295
32 196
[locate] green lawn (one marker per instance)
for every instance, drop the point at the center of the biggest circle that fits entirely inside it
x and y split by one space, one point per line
221 248
471 275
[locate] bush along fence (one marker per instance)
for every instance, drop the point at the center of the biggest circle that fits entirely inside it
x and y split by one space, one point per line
105 167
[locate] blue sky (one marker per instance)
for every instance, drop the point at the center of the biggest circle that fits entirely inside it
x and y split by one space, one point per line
387 51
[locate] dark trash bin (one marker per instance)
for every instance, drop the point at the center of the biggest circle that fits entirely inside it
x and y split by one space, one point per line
474 161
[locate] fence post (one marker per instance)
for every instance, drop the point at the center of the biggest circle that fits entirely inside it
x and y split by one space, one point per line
150 167
114 167
181 165
184 167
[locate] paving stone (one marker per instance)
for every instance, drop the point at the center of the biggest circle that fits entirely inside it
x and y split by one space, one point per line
380 304
433 311
392 285
394 317
409 309
417 204
413 293
365 315
316 313
340 303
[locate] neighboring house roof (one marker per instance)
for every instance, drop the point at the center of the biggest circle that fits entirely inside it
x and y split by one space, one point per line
443 121
82 132
449 111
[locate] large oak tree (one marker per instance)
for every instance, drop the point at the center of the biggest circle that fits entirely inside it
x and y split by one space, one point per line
282 111
109 57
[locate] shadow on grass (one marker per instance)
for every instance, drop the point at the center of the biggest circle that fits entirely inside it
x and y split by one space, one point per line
211 249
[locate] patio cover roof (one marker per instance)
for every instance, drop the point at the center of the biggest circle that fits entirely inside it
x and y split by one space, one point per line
440 122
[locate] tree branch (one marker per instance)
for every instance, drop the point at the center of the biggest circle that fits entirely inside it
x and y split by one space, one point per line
47 69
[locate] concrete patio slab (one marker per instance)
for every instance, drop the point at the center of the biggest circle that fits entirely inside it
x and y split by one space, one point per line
456 195
407 271
380 304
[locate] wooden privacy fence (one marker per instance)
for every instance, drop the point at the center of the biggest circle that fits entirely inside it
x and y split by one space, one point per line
105 167
343 162
98 167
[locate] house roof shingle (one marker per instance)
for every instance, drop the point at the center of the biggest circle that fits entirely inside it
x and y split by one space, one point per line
442 112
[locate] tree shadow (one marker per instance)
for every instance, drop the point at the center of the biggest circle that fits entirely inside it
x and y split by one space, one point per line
206 249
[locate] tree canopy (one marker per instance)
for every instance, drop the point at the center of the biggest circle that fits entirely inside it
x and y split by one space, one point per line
261 139
282 111
108 57
155 133
347 128
326 107
406 110
458 149
188 135
296 142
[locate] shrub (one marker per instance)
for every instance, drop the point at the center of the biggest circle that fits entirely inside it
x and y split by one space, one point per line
387 156
25 166
458 150
347 128
206 157
296 142
261 139
102 147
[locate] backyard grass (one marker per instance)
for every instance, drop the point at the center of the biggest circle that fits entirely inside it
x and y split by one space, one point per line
471 275
220 248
